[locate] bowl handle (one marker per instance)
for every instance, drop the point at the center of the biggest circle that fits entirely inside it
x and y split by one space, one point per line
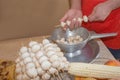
103 35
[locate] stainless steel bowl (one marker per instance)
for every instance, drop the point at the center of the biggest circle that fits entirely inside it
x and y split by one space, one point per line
59 33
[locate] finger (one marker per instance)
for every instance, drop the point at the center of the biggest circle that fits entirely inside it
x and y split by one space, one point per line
80 20
80 24
64 18
77 24
72 25
92 16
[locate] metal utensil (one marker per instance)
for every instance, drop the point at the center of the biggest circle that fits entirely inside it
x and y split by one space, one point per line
59 33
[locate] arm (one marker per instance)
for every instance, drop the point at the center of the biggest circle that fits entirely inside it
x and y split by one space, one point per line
75 4
114 4
103 10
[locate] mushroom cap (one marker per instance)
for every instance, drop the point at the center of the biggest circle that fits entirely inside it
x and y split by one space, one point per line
31 43
23 49
32 72
36 48
30 65
27 60
46 65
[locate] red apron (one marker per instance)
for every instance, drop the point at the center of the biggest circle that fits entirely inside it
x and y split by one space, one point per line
111 24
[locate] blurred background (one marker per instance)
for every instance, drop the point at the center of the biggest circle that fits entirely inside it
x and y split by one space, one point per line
26 18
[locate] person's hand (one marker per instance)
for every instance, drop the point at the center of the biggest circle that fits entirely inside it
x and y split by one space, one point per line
72 15
100 12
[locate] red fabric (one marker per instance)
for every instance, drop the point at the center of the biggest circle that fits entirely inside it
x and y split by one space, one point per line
111 24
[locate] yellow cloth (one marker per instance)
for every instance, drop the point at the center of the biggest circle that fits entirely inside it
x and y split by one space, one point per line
7 70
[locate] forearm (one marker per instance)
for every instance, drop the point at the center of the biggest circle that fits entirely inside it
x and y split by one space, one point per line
75 4
114 4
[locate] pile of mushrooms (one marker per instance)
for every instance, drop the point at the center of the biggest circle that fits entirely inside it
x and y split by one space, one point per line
70 40
40 61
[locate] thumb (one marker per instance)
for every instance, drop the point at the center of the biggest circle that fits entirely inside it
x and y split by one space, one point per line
92 17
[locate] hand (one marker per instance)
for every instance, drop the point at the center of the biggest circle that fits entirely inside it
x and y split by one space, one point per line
100 12
71 15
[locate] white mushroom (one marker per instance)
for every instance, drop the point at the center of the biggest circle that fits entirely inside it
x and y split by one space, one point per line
81 39
55 64
63 24
62 40
66 66
60 54
39 54
40 71
36 48
43 58
52 70
32 72
24 55
46 76
31 43
48 45
23 49
62 66
54 58
27 60
68 23
80 20
45 41
46 65
52 49
85 18
63 59
30 65
50 53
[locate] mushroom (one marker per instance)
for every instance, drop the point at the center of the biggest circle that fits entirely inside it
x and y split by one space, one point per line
39 54
50 53
56 64
45 65
27 60
54 58
63 24
52 70
23 49
85 18
32 72
31 43
68 23
30 65
46 76
43 58
45 41
35 48
24 55
40 71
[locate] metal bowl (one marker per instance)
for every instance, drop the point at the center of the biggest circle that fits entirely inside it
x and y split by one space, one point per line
59 33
